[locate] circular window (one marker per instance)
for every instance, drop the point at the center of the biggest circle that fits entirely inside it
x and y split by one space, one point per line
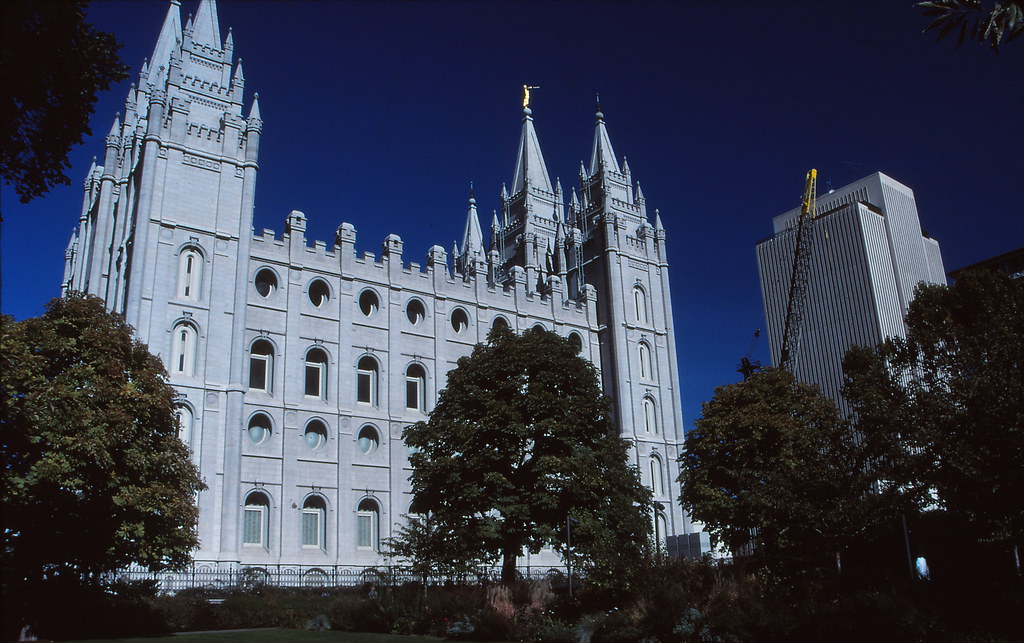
319 292
368 440
460 320
368 302
259 428
315 435
266 282
499 322
415 311
576 341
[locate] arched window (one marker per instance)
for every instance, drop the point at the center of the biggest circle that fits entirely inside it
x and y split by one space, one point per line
650 417
256 520
367 524
415 387
499 322
314 523
316 373
315 434
660 529
259 429
183 353
319 292
460 321
644 352
657 476
640 304
366 380
576 341
368 439
261 365
190 273
185 423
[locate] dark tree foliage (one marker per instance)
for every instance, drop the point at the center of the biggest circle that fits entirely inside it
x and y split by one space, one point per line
772 469
522 438
52 65
975 20
94 476
951 398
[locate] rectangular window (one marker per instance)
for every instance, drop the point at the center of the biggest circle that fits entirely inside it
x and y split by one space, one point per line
313 376
412 393
311 527
364 530
252 527
363 384
258 372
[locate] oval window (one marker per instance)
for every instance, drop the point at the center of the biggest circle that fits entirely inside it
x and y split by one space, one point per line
415 311
368 440
259 428
266 282
319 292
460 321
315 435
368 302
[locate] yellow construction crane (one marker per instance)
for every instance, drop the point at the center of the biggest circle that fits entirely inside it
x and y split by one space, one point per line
801 271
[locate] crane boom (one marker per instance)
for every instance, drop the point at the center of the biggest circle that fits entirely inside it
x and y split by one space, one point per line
801 271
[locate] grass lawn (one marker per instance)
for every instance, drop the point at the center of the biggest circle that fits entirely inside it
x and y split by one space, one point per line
278 636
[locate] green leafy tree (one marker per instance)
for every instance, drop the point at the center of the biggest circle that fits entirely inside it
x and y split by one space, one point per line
771 466
52 66
951 395
520 440
976 20
94 475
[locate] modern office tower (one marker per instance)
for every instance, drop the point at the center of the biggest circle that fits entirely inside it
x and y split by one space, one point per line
868 255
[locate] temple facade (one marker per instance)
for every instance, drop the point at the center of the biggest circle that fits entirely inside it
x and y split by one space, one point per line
299 362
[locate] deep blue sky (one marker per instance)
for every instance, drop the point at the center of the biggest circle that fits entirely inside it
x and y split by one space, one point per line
381 113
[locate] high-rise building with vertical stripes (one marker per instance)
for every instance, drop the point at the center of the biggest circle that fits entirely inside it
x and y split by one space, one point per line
868 254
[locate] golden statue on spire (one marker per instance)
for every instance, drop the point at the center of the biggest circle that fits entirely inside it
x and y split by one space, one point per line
526 94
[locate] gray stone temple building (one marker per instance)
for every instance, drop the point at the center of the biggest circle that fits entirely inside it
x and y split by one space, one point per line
300 362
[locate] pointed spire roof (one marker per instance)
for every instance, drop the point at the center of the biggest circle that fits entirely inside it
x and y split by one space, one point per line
206 29
603 154
530 164
639 193
472 237
657 220
254 112
115 129
239 76
168 40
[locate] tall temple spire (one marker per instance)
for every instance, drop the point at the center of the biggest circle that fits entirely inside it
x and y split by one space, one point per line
206 29
168 40
603 154
530 164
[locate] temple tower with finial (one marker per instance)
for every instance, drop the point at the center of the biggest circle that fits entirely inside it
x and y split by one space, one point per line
299 364
165 232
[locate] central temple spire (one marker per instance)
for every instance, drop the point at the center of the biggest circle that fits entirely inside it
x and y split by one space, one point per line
603 156
530 166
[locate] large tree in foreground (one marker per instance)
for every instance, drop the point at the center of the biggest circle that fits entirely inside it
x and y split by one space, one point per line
771 466
520 441
94 475
952 394
52 66
985 22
